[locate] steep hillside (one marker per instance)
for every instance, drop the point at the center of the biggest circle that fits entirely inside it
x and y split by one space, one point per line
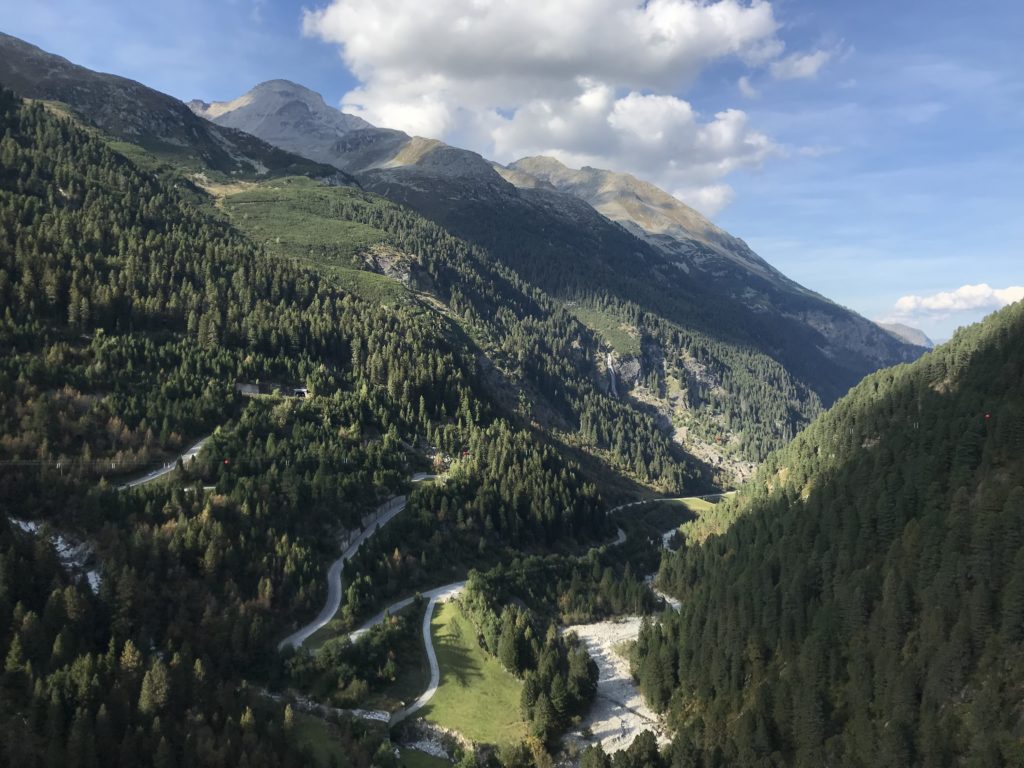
722 264
723 400
646 210
132 112
862 603
536 225
728 379
131 313
534 358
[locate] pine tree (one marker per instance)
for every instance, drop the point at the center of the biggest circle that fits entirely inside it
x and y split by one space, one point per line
155 689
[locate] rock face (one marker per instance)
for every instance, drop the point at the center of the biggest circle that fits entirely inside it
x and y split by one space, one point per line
724 264
646 210
297 119
288 116
908 334
130 111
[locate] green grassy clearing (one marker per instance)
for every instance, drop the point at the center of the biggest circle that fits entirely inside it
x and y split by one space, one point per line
709 518
315 734
413 758
697 505
297 218
691 515
612 330
476 697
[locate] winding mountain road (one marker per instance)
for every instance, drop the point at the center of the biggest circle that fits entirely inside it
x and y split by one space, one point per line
434 596
386 512
167 468
439 595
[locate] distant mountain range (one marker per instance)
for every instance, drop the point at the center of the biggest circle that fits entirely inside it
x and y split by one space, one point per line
729 355
421 173
908 334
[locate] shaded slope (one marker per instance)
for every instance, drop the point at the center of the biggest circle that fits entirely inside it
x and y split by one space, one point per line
722 264
866 607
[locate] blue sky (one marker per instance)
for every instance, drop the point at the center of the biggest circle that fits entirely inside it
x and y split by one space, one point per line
872 151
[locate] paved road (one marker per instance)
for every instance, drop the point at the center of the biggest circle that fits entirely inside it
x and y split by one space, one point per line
385 513
439 595
166 469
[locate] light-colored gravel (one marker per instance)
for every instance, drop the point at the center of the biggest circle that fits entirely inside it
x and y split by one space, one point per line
619 712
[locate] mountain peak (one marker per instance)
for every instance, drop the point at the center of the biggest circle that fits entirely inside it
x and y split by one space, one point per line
645 209
279 107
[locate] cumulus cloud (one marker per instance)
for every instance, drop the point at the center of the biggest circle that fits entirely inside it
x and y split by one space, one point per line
966 298
800 65
746 88
583 80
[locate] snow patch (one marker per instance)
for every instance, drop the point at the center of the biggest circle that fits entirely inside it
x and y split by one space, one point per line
28 526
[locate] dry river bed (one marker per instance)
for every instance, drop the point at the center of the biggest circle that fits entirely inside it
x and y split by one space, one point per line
619 712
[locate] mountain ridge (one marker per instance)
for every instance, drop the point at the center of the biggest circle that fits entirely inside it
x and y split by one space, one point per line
695 351
559 241
909 334
133 112
644 208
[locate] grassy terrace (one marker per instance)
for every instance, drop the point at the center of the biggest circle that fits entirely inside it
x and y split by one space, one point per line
476 696
297 218
610 328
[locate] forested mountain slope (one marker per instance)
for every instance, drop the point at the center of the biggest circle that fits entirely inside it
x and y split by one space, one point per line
686 385
866 605
129 314
686 272
534 358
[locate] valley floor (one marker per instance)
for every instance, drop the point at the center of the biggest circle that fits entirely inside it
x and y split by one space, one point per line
619 712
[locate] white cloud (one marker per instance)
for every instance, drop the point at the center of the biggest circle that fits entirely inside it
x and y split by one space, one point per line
652 136
966 298
746 88
589 81
709 199
800 65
